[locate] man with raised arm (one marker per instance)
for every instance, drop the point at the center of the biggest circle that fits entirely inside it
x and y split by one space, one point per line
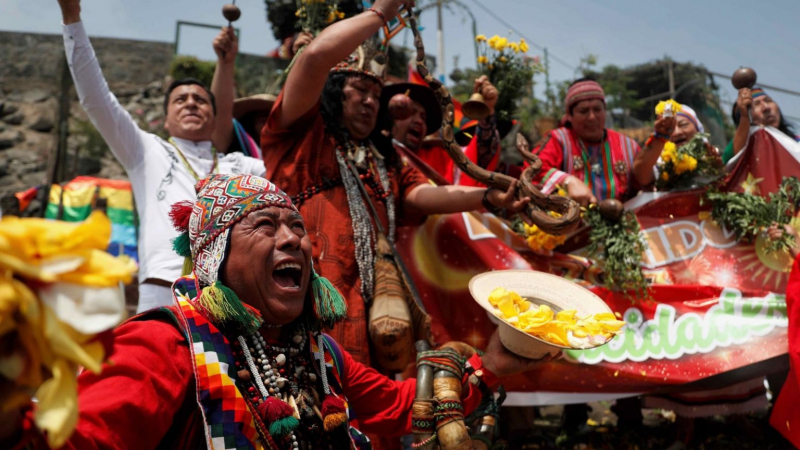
162 172
317 148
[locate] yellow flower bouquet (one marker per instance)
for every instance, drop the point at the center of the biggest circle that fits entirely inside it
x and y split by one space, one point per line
688 166
508 68
315 15
60 295
668 108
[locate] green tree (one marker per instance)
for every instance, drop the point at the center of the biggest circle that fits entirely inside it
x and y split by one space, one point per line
184 66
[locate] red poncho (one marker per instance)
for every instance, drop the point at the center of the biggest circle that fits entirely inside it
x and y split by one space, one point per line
786 413
146 398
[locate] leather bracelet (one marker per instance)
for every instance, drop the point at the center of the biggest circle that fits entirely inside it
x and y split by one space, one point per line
380 14
655 137
658 135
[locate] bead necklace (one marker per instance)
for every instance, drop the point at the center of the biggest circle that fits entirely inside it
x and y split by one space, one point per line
269 376
301 197
363 234
363 231
388 197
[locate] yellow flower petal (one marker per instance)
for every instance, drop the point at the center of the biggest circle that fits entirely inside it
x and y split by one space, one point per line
496 295
506 306
567 315
542 322
57 410
70 345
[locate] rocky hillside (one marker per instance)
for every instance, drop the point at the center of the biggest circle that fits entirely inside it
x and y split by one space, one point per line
29 91
28 137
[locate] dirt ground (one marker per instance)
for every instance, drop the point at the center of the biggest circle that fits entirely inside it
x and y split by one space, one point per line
545 428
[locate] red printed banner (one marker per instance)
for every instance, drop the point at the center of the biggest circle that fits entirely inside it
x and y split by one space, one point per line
717 306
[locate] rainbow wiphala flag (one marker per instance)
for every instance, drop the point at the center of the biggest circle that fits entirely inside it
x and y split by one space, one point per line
77 199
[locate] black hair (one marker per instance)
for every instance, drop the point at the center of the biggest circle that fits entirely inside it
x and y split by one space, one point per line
331 106
783 125
188 81
331 109
248 122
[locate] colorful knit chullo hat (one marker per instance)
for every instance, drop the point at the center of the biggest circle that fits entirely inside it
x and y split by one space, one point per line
583 90
205 226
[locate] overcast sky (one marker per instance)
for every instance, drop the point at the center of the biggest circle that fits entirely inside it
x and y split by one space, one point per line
721 34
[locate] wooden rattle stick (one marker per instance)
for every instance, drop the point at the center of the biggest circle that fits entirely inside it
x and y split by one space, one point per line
231 12
745 77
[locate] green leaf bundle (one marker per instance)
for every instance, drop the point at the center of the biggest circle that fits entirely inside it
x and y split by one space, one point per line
619 246
747 214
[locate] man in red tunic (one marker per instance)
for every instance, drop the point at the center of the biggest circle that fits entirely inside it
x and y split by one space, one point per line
411 124
319 127
592 162
482 146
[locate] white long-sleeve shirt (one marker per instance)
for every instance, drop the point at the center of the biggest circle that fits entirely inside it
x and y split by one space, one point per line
158 177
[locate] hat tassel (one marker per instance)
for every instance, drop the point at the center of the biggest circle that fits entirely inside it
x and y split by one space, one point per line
227 310
334 412
329 305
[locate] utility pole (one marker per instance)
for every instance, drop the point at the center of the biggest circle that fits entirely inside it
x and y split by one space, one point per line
474 35
548 90
57 169
440 39
671 78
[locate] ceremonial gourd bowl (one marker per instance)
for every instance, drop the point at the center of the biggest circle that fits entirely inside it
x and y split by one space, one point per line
540 289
